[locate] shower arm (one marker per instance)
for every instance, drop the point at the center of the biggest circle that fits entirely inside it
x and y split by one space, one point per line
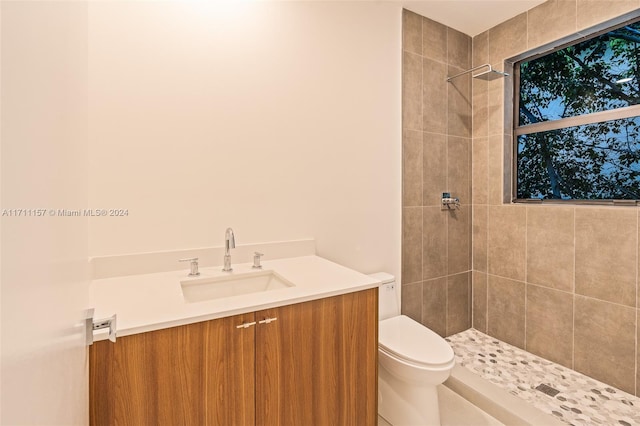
489 70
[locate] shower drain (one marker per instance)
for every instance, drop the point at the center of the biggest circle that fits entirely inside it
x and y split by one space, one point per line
547 390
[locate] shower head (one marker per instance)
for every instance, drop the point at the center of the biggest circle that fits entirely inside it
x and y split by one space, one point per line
487 74
490 75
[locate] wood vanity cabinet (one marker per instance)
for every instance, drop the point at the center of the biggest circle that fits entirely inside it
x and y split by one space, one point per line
315 364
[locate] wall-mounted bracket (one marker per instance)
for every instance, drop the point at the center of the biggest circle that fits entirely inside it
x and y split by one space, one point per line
93 325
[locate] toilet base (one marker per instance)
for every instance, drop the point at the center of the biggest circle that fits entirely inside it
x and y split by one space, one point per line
404 404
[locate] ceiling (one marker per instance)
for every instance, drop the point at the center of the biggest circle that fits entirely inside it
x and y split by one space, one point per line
470 16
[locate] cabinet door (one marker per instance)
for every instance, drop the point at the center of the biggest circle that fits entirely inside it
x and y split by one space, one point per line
317 363
230 372
196 374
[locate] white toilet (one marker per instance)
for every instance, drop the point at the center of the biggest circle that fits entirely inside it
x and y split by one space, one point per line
412 360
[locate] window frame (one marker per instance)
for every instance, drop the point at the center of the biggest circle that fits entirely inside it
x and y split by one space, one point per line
596 117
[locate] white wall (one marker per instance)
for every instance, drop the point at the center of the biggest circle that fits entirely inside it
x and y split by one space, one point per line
279 119
44 278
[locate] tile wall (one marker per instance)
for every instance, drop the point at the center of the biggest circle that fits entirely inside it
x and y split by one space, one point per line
436 253
558 281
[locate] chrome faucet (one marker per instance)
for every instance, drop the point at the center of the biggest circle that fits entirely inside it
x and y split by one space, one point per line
229 243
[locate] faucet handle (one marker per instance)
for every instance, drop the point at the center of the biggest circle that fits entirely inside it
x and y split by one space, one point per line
194 266
256 260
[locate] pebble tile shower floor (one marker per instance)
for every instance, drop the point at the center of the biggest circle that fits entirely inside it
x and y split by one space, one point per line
581 400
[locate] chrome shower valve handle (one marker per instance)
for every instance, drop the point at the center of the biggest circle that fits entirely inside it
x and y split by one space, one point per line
448 201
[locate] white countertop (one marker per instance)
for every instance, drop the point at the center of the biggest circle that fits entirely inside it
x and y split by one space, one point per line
155 301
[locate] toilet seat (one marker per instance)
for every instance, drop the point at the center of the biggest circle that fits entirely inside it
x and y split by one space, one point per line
414 343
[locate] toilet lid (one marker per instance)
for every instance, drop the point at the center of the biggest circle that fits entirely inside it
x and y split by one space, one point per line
412 341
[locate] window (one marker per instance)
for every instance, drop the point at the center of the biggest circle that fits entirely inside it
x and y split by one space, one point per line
577 128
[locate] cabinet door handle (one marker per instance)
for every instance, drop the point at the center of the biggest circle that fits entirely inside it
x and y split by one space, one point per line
246 325
267 320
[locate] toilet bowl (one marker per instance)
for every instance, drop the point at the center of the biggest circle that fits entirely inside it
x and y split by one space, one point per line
413 361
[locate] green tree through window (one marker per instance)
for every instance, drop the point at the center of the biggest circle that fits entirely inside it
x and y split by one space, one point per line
578 128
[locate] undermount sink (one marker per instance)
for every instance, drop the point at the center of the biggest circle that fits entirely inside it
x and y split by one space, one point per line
200 289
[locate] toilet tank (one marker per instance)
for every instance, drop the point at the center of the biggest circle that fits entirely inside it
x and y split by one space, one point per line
388 306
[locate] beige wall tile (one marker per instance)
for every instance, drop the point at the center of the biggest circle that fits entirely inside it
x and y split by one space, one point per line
458 104
495 175
479 295
411 168
411 301
434 168
508 39
411 245
459 239
550 246
411 91
480 49
592 12
506 310
549 324
434 40
506 241
606 245
605 336
459 168
434 243
551 21
495 107
638 353
434 115
458 303
411 32
480 167
480 107
479 237
434 305
458 49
